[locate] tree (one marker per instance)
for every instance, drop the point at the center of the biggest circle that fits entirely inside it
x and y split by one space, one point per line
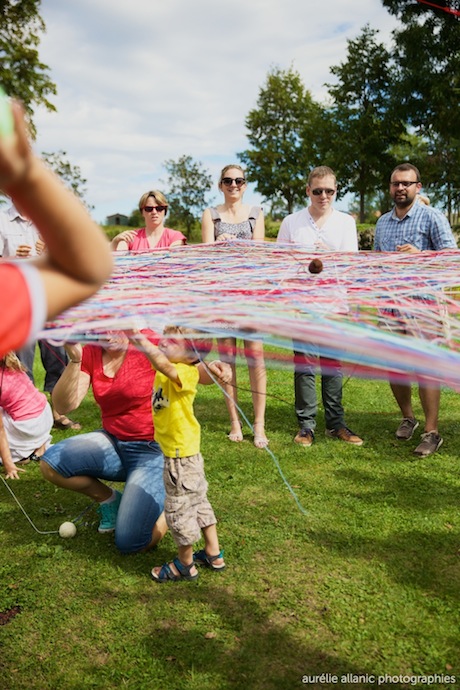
441 176
188 184
136 219
428 87
449 6
69 174
22 74
25 77
364 124
283 131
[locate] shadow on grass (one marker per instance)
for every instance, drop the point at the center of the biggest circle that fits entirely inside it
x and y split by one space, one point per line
253 643
427 554
411 492
257 641
238 648
427 561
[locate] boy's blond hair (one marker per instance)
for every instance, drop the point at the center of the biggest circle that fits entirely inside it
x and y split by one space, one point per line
197 345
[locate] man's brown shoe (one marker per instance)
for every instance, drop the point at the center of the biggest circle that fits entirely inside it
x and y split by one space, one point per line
305 437
344 434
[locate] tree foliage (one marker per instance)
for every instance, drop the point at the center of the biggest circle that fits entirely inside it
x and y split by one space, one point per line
364 124
450 6
428 55
69 174
283 132
188 185
136 219
22 74
388 104
428 89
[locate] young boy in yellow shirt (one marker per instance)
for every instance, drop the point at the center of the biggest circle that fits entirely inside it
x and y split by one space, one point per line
187 509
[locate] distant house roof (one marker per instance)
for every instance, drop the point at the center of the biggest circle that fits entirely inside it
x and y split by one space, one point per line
117 219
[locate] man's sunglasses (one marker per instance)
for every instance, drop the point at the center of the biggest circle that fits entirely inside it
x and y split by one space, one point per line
158 209
318 191
239 181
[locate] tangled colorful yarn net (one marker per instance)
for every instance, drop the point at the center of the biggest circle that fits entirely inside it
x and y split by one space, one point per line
381 314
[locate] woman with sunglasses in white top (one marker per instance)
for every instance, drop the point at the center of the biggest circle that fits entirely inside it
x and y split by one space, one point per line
234 220
154 235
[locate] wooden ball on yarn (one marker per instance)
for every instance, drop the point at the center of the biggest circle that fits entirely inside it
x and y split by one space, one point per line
315 266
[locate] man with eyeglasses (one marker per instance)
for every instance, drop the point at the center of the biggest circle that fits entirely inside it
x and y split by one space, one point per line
412 227
320 227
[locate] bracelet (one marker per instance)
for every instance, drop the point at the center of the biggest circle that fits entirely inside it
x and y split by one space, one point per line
72 361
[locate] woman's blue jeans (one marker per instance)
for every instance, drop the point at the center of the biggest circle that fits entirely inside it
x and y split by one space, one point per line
137 463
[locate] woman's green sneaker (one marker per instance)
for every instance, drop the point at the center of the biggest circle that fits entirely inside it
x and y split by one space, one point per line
108 513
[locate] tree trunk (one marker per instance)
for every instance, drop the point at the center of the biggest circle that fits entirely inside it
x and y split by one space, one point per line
362 212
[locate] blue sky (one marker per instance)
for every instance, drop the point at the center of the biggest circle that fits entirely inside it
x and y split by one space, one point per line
140 82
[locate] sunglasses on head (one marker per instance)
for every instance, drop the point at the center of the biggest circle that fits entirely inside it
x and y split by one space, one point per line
318 191
239 181
158 209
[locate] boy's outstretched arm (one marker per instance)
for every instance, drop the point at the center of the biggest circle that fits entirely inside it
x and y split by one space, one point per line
157 359
78 258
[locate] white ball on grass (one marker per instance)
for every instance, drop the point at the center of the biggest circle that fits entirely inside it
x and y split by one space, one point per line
67 530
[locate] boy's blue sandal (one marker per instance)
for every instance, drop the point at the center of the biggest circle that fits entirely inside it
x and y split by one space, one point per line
166 573
202 558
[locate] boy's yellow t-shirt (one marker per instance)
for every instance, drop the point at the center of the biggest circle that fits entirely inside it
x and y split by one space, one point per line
176 428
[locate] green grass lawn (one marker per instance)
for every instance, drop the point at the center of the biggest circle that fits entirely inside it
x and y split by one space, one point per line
366 582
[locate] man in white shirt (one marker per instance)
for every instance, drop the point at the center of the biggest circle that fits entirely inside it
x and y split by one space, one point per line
320 228
18 236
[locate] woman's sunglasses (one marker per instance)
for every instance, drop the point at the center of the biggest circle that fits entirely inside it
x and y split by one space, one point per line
158 209
239 181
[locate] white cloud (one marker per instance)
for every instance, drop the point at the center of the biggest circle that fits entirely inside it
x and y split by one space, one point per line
140 82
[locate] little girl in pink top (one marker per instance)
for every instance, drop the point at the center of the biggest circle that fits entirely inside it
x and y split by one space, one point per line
26 417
